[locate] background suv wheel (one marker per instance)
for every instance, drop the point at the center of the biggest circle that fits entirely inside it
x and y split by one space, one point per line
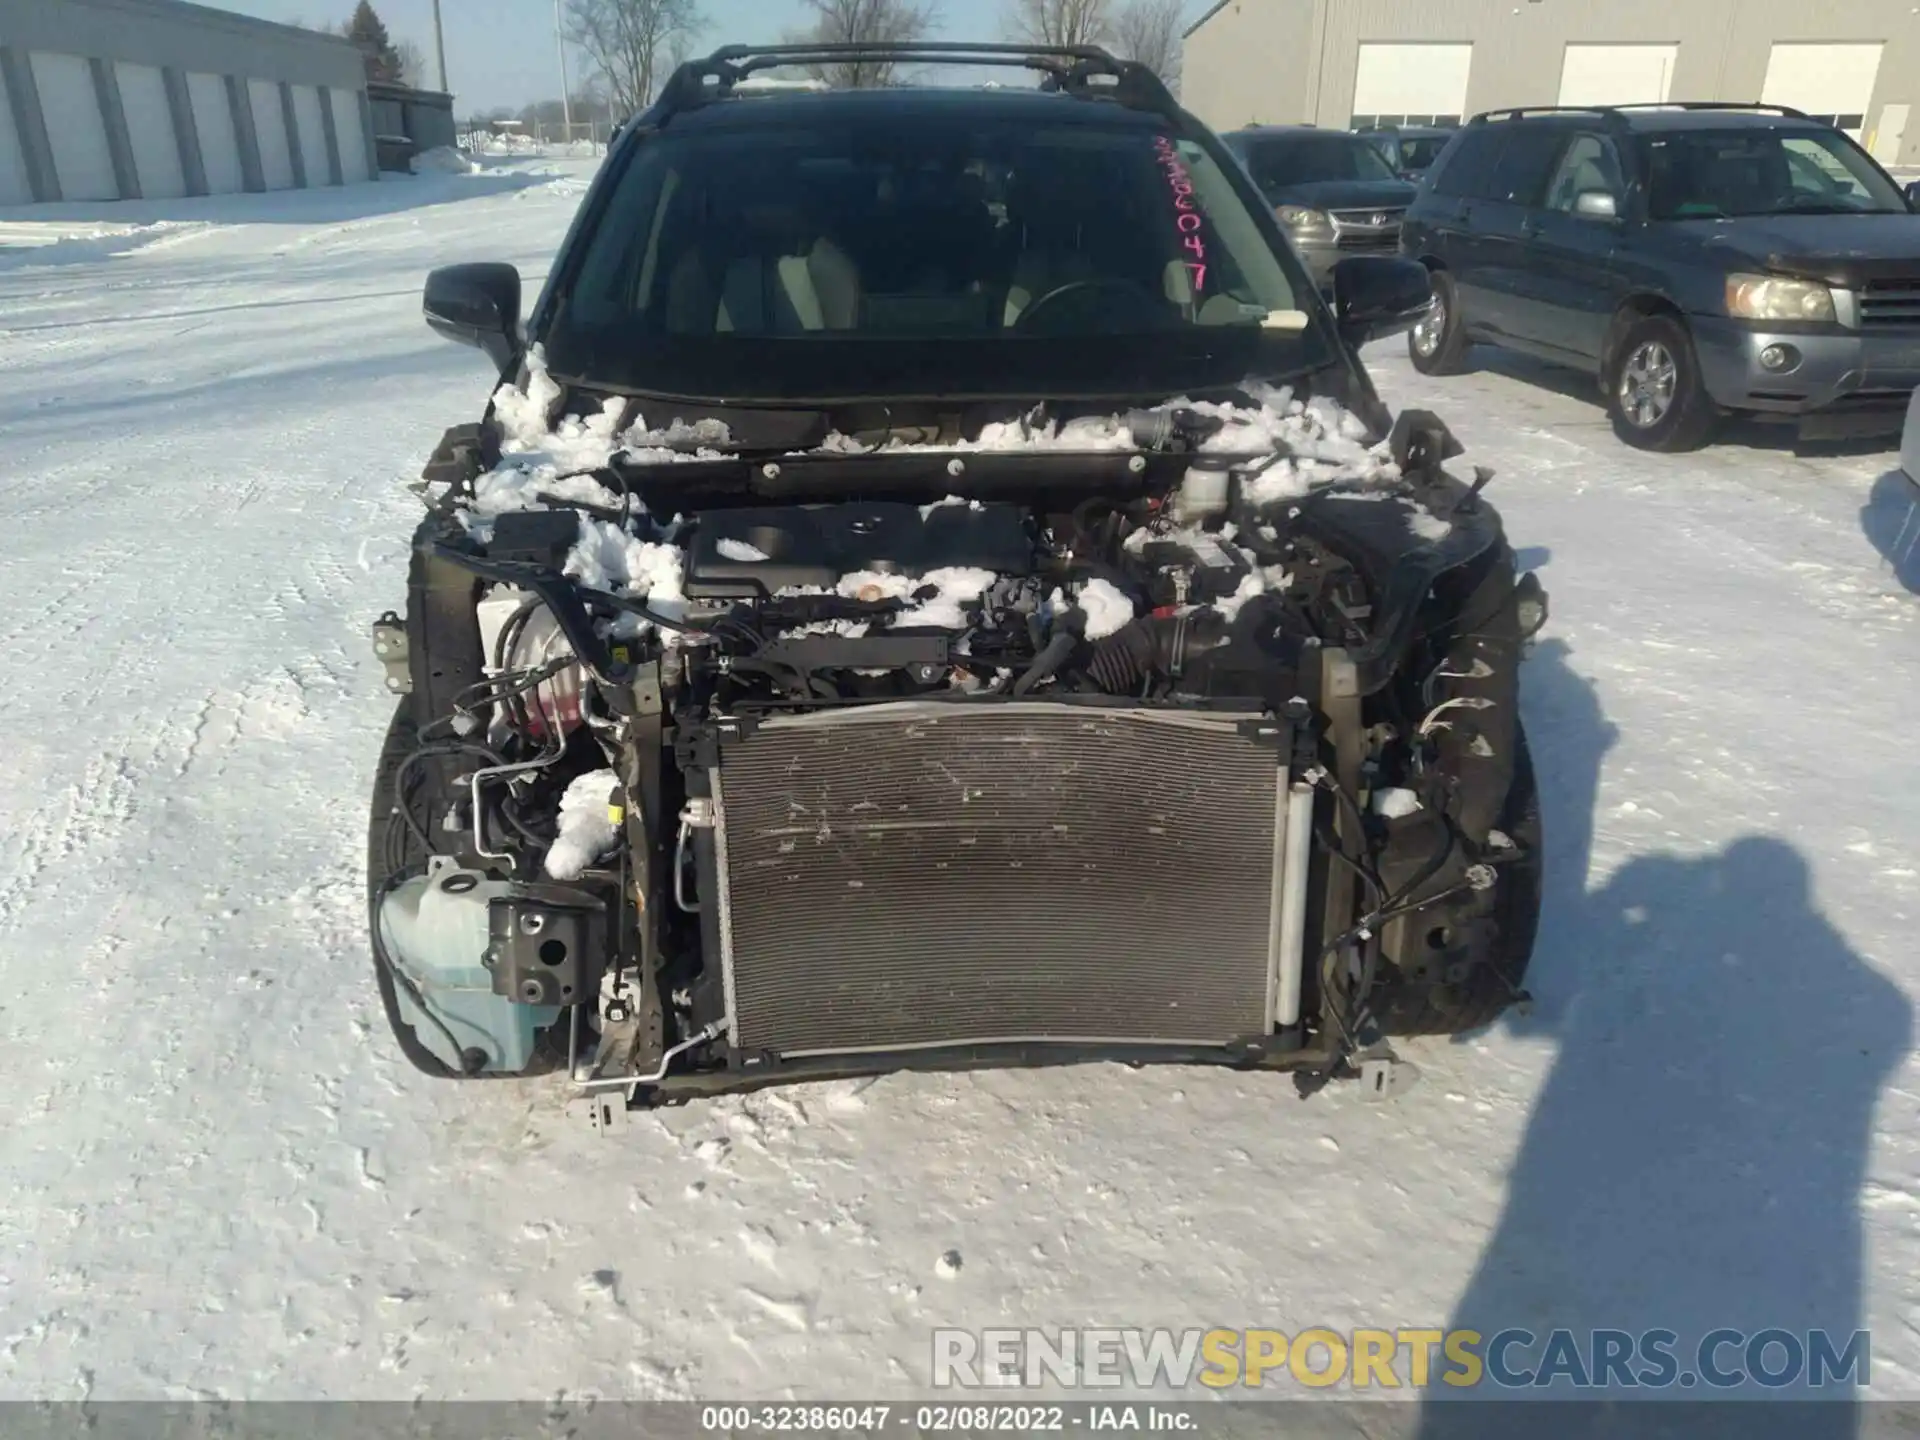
1654 394
1438 344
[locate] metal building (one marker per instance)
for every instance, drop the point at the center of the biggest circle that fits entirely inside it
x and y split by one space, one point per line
151 99
1347 62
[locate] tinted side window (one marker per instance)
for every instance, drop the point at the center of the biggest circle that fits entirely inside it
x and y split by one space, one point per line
1466 169
1525 163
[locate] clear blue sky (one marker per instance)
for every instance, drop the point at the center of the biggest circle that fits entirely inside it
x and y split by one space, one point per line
501 52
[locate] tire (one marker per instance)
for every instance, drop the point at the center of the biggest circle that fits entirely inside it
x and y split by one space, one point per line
1443 334
392 850
1490 989
1655 397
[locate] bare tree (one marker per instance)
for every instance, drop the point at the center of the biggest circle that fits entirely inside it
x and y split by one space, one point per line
631 44
413 64
865 22
1061 22
1152 32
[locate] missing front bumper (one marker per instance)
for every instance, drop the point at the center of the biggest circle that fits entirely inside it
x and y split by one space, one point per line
944 877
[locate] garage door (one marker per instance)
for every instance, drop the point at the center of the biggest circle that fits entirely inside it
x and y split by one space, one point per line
219 145
75 130
156 158
1411 84
1830 82
313 136
15 189
351 133
1617 74
270 128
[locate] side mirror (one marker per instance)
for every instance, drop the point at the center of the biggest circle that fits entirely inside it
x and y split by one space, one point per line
1597 205
1913 195
1379 295
477 305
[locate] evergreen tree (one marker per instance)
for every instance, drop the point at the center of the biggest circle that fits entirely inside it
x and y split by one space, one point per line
376 47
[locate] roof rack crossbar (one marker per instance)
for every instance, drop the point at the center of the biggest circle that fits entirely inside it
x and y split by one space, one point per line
905 48
1072 69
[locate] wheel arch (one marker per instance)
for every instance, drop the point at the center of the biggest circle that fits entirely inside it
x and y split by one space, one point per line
1630 312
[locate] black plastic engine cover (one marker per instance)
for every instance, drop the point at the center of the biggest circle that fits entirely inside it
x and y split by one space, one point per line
817 544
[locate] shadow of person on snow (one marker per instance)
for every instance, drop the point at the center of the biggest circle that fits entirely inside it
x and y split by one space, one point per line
1696 1157
1891 520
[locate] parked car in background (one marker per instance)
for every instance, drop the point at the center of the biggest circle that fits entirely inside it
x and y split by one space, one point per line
1410 149
1700 259
1332 190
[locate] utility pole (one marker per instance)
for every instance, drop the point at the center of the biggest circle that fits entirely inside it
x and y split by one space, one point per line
566 100
440 47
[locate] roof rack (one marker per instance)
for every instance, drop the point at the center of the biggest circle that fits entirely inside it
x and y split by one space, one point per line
1754 105
1521 112
1085 71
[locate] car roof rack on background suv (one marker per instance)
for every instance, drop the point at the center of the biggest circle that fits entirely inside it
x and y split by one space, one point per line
1084 71
1619 112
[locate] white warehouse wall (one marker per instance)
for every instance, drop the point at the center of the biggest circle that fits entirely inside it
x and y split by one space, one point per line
270 129
75 130
352 135
1618 74
1833 82
313 136
15 187
170 99
156 154
219 144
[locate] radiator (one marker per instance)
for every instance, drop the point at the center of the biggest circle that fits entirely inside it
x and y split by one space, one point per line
918 874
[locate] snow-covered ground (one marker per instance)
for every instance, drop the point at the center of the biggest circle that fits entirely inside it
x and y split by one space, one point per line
217 1177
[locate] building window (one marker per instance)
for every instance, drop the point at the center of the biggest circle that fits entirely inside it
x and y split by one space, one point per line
1381 122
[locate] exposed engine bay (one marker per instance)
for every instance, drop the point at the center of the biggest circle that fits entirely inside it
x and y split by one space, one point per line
707 775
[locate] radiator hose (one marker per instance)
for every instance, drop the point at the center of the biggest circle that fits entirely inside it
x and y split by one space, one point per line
1049 660
1157 645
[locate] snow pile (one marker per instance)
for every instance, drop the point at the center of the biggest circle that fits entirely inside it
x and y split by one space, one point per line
1321 444
537 444
587 830
1297 446
442 160
947 501
606 557
1394 804
1107 610
544 460
953 587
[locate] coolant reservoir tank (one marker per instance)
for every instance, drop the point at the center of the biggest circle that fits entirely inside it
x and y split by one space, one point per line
434 928
1202 494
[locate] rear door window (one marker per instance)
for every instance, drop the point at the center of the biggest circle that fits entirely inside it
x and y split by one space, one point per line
1526 161
1467 171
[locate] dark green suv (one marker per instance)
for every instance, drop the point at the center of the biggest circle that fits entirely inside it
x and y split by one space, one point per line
1699 259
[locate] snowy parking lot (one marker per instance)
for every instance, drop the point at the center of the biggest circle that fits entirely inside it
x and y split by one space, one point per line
221 1179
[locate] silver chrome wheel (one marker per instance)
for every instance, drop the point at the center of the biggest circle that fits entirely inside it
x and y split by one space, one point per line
1647 384
1427 334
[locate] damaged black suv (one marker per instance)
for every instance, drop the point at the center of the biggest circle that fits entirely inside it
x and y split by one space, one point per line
935 588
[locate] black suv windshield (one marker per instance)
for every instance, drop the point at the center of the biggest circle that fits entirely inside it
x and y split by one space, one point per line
1717 174
933 251
1280 162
